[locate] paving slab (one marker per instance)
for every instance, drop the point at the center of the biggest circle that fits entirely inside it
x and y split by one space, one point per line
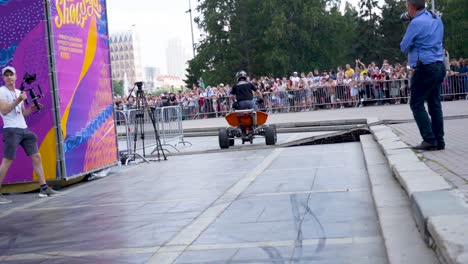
402 240
436 203
394 158
430 193
450 233
294 205
142 210
421 181
448 162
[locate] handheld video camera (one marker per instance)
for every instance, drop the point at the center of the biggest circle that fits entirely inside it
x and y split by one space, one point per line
405 17
29 79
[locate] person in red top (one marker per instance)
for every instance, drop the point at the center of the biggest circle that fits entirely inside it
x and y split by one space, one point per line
376 79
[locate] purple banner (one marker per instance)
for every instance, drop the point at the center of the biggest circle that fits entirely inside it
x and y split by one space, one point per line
23 45
84 84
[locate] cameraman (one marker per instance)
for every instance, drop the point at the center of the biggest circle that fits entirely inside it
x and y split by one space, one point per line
423 41
16 132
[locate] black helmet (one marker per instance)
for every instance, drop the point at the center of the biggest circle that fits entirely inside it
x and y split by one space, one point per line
241 75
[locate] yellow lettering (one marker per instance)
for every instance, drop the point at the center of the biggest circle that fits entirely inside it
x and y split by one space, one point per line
59 17
73 17
71 12
84 14
89 9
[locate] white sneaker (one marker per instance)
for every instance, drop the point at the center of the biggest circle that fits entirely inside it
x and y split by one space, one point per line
4 200
48 192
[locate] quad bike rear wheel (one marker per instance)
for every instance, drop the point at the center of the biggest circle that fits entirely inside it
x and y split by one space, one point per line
223 139
270 135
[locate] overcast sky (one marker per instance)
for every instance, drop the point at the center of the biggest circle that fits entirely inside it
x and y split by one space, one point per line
156 21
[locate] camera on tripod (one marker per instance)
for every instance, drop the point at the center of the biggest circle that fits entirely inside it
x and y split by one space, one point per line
139 85
137 116
139 93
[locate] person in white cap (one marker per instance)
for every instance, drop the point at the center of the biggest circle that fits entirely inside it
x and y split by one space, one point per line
16 132
295 79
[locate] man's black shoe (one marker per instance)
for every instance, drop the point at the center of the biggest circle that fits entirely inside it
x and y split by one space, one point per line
440 146
424 146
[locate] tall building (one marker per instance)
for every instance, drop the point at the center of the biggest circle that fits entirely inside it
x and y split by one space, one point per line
176 58
151 75
125 56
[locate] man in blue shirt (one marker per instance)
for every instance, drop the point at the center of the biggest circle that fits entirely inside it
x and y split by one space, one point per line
423 43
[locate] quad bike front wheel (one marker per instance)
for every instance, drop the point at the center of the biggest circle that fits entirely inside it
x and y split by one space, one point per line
270 135
223 139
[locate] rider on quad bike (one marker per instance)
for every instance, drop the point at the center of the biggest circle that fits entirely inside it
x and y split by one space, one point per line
246 122
243 92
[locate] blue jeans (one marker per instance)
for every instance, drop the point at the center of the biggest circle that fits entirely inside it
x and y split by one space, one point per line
379 95
247 104
425 86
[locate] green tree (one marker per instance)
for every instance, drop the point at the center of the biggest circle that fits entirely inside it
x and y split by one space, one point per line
455 18
117 87
276 37
191 79
392 30
368 23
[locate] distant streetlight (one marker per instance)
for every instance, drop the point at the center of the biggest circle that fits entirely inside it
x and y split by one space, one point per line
191 26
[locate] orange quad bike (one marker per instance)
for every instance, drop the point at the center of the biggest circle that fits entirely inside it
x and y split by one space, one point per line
246 124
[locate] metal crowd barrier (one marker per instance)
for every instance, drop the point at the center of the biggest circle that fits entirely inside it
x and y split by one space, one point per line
361 93
338 96
206 107
123 139
134 127
136 134
455 87
169 125
356 94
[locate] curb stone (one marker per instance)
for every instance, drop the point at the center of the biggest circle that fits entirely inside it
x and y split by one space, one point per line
441 215
403 243
429 204
455 250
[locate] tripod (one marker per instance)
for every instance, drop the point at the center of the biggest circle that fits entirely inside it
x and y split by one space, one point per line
139 126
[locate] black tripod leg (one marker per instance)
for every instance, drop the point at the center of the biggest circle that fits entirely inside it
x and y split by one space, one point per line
142 131
160 145
156 134
135 139
138 126
159 148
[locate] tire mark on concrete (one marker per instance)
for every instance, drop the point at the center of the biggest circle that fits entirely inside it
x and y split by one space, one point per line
274 255
299 221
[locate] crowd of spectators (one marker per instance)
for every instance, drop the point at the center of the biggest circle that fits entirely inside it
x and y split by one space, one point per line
344 87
